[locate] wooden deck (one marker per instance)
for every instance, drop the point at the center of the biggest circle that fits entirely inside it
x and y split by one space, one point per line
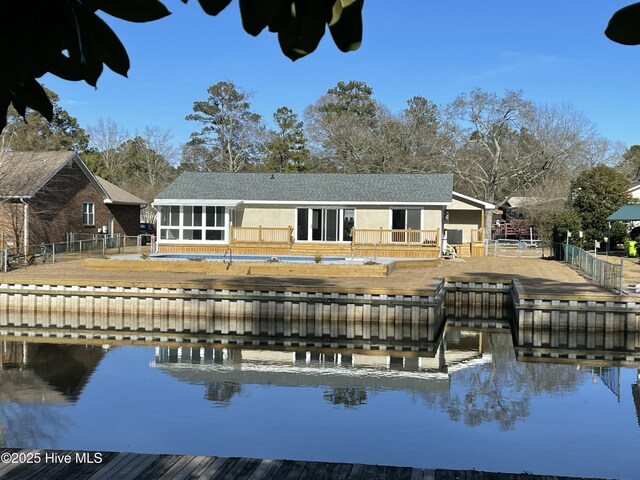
76 465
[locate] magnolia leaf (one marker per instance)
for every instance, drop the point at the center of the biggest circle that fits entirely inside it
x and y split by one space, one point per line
213 7
4 108
108 46
302 29
624 26
64 68
34 97
346 24
133 10
19 105
257 14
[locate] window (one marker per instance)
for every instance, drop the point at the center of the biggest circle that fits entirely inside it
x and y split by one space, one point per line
192 223
88 214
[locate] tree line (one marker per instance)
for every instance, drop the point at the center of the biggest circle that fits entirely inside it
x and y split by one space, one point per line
497 146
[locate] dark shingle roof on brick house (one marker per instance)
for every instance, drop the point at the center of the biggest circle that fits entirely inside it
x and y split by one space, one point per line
23 174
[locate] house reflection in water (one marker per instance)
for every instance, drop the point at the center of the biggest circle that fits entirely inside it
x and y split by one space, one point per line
36 374
345 376
635 392
44 372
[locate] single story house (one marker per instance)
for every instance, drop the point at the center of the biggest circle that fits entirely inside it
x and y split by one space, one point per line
396 215
634 188
52 193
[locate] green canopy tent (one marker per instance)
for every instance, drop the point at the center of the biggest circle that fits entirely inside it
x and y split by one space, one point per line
627 213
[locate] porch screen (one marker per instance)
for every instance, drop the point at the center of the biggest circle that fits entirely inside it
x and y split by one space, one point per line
192 223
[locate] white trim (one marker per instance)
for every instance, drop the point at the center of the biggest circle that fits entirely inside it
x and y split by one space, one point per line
90 214
334 204
486 205
298 203
196 201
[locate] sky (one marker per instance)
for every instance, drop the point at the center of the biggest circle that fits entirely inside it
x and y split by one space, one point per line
554 51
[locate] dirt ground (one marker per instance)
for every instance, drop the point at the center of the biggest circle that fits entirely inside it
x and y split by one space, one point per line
537 275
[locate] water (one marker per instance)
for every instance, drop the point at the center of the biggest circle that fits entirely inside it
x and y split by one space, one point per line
254 258
470 406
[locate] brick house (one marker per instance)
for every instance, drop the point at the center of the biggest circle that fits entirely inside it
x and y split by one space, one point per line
54 193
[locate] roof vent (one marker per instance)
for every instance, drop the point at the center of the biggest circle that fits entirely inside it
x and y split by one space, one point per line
272 176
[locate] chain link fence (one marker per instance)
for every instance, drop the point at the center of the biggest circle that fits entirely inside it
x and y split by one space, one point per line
604 273
77 246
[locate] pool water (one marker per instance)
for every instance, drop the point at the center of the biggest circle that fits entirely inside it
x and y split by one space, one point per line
252 258
470 406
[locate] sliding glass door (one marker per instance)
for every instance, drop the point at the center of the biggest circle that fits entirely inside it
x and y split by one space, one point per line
324 224
404 219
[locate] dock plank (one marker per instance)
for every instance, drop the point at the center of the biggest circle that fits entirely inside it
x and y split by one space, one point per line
23 470
175 469
233 468
248 469
308 472
283 472
272 467
202 467
108 469
38 471
160 467
129 466
356 472
429 474
227 469
6 468
211 470
260 470
296 470
404 473
82 471
136 467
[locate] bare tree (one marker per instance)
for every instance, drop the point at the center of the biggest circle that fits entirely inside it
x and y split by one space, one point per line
106 138
505 145
149 160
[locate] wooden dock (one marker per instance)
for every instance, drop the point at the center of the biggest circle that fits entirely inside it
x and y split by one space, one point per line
79 465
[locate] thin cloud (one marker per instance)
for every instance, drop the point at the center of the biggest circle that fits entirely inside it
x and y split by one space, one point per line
511 62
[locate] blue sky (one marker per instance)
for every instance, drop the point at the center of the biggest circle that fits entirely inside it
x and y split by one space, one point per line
554 51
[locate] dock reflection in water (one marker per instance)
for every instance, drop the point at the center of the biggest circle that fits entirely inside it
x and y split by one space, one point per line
366 403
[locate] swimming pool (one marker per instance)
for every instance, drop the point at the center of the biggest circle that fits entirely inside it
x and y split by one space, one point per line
253 258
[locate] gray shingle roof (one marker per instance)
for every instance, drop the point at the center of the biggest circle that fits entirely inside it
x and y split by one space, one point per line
22 174
118 195
312 187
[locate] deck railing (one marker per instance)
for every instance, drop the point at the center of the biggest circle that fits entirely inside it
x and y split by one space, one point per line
262 235
364 236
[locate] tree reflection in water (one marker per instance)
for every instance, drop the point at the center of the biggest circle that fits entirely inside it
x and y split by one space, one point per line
348 397
501 390
222 392
31 426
